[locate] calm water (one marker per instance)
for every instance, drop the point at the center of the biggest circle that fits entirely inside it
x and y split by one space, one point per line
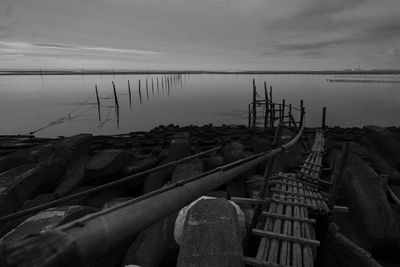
28 103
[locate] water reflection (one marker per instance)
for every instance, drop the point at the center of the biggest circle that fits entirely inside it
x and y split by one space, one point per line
66 105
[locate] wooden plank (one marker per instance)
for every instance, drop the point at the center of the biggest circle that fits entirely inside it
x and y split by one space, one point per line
300 240
296 185
290 218
298 194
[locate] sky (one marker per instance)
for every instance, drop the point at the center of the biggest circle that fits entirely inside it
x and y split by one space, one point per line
200 34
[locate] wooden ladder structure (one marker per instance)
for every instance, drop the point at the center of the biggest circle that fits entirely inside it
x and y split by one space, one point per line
288 236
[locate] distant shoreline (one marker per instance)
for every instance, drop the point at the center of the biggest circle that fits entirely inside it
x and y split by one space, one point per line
129 72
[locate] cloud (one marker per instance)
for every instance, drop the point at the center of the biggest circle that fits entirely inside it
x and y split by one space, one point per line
42 49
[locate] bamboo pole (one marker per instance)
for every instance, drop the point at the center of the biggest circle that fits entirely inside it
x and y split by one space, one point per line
115 95
158 85
140 93
130 94
282 119
301 112
98 103
118 225
323 118
152 86
267 175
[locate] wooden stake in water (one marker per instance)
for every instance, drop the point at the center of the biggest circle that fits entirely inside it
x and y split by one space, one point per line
158 86
115 95
323 118
152 86
130 94
283 111
140 94
98 102
116 103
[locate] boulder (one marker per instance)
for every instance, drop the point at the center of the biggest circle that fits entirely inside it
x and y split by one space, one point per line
211 235
106 163
365 192
46 220
18 185
386 142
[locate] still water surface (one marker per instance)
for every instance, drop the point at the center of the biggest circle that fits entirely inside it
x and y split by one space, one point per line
66 105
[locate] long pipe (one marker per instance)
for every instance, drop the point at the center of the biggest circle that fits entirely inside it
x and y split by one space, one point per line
95 235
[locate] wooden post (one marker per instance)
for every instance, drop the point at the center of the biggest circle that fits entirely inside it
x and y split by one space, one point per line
301 113
130 94
152 86
282 119
267 174
162 82
323 118
254 103
115 95
272 116
158 86
98 102
147 86
140 93
337 175
249 115
290 114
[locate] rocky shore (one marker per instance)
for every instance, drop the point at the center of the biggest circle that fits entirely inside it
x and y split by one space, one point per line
35 171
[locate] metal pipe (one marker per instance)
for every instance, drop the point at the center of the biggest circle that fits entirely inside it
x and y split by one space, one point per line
95 235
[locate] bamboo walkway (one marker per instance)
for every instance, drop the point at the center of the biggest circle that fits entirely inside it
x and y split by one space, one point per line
288 236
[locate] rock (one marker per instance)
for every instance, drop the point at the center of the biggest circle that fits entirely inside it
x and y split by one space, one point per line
106 163
386 142
73 178
115 202
104 196
46 220
38 200
170 247
211 235
261 145
365 192
17 185
138 166
213 162
340 251
31 155
147 248
236 187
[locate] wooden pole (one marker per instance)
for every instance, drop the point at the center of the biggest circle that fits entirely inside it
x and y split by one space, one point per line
272 115
158 86
140 93
130 94
98 102
323 118
301 113
254 103
290 113
282 120
267 174
115 95
152 86
162 82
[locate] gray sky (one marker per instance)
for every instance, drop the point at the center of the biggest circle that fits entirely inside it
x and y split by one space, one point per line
200 34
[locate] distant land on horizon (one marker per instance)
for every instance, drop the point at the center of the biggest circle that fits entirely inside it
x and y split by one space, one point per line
121 72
